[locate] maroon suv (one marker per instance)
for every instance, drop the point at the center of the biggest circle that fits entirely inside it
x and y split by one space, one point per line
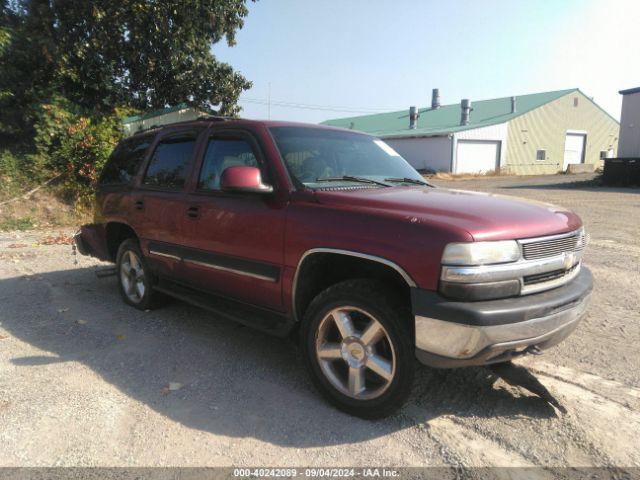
291 227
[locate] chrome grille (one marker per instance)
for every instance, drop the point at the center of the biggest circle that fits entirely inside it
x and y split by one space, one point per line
552 246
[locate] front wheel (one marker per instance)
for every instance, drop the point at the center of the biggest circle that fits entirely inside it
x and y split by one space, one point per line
357 346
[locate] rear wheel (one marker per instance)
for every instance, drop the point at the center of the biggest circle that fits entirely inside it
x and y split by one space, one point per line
134 278
358 348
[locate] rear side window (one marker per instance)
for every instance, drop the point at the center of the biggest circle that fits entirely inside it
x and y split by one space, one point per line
125 161
221 154
170 163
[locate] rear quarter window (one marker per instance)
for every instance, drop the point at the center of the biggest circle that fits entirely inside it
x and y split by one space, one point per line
125 162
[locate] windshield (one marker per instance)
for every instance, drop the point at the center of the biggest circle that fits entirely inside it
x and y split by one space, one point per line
316 157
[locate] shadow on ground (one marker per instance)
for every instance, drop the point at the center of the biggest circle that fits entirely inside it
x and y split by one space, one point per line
236 381
588 185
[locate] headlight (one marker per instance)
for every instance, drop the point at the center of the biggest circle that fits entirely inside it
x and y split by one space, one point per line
481 253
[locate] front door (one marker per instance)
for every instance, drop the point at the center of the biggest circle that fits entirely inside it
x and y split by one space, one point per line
574 149
234 241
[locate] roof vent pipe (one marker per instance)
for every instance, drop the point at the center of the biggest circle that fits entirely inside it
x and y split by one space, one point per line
465 111
513 104
413 117
435 98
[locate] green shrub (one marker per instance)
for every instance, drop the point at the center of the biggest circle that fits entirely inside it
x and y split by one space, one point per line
24 223
19 173
83 152
53 119
68 144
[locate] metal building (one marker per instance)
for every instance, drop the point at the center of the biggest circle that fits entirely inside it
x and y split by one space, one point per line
164 116
629 144
526 134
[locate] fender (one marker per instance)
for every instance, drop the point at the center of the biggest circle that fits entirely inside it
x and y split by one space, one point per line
406 277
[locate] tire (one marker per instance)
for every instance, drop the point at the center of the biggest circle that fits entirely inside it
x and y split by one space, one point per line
135 280
353 326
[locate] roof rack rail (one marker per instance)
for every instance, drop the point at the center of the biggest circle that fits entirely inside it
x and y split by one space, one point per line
146 130
216 118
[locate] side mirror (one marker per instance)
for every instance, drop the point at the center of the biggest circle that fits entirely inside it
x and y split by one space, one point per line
243 179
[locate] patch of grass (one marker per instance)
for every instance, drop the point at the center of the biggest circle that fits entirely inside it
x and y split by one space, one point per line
22 223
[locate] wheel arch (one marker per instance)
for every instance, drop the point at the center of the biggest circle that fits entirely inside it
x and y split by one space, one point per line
115 233
316 271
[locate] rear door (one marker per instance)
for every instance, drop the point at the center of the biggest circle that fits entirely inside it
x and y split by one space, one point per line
158 204
574 149
234 241
116 180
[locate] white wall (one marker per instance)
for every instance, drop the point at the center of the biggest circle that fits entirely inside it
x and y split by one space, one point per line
629 142
494 132
427 152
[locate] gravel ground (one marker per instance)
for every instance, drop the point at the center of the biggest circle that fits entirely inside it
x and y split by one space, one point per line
87 381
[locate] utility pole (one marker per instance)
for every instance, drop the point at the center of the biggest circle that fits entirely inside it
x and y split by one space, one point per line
269 103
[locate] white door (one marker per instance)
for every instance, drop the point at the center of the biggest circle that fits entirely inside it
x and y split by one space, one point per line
574 149
477 156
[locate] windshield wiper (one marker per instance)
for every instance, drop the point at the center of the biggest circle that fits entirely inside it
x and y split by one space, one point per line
349 178
408 180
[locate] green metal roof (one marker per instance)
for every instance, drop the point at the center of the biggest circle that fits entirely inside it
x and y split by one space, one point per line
154 113
446 119
162 111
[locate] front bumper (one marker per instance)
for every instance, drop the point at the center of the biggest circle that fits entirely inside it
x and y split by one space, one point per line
457 334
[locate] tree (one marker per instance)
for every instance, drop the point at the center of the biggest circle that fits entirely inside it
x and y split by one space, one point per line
103 54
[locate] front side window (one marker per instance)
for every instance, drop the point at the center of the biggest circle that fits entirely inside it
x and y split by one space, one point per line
221 154
316 157
169 165
125 161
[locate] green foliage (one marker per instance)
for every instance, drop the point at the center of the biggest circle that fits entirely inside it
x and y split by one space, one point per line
71 70
102 54
52 120
81 152
19 172
23 223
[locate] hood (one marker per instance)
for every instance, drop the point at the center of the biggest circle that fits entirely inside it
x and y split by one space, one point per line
484 216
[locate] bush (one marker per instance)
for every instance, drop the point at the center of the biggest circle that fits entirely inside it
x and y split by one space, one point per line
69 144
82 152
24 223
19 172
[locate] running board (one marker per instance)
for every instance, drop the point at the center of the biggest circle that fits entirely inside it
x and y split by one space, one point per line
261 319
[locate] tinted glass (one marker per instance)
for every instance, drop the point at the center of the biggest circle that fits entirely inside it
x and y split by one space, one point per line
315 153
169 165
125 161
222 154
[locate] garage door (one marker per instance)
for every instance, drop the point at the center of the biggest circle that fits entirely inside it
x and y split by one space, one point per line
477 156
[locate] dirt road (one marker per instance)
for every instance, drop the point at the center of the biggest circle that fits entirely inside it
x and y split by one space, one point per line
87 381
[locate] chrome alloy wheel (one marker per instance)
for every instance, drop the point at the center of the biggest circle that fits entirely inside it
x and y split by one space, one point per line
132 276
355 353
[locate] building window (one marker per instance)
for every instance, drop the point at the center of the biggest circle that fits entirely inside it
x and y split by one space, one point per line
575 101
603 154
541 155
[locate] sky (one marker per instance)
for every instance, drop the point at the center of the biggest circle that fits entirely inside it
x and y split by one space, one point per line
342 58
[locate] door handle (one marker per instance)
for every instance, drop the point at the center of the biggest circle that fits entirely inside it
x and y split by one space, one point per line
193 212
139 205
